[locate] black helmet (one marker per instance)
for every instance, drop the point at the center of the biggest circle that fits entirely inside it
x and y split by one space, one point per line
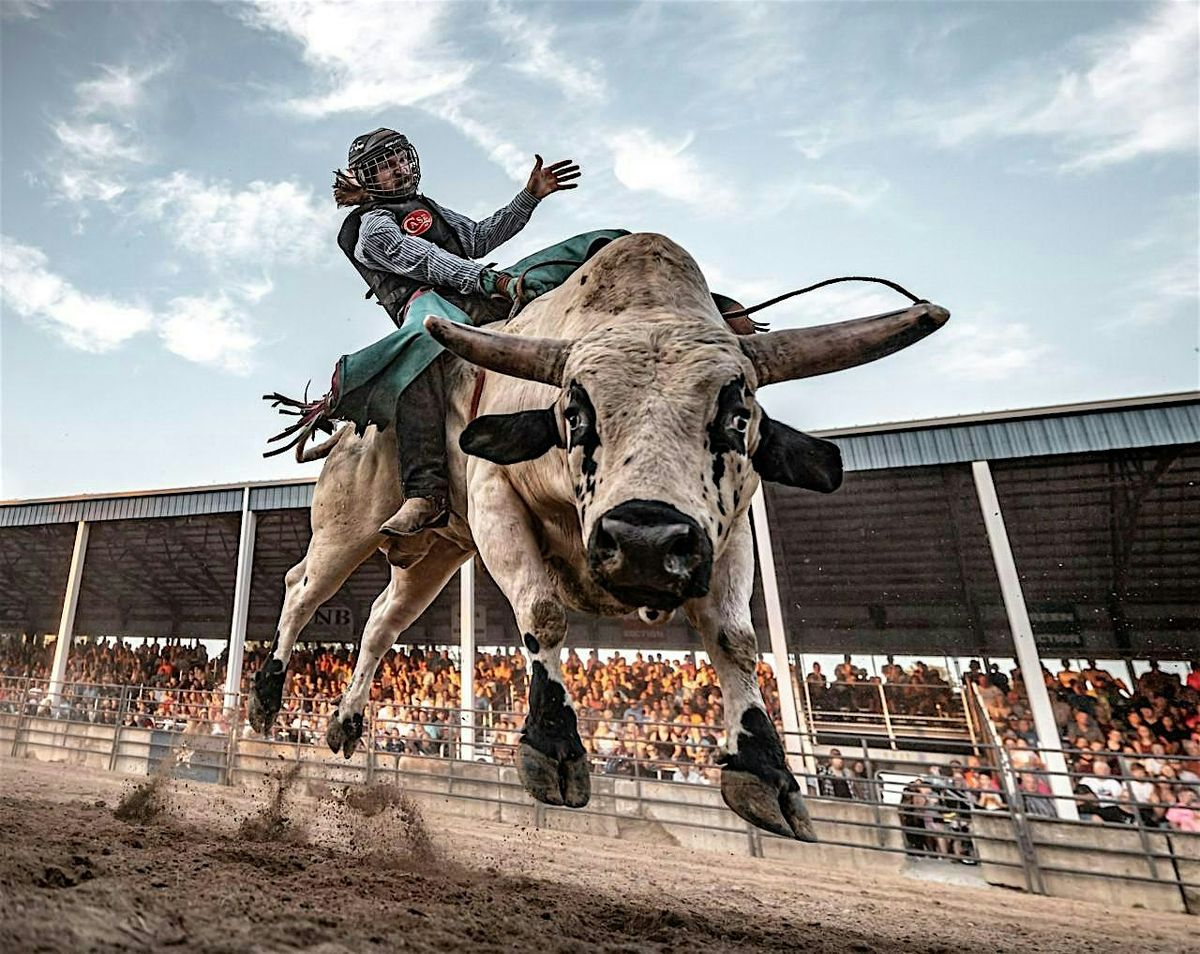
370 151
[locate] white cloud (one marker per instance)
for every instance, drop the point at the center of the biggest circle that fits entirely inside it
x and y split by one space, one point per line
642 162
368 56
857 197
1160 280
1132 93
254 291
254 226
118 89
99 140
78 185
24 9
986 352
208 331
360 68
99 143
538 56
515 162
86 322
1165 292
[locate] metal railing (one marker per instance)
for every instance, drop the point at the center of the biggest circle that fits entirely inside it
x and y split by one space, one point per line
986 809
899 712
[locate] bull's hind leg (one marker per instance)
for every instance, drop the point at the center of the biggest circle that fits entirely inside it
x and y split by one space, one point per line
551 760
308 584
408 594
755 780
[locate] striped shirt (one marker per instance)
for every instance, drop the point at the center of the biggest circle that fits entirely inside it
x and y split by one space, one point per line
384 246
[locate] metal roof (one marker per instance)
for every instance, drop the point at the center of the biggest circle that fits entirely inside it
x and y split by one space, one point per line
1161 420
1025 436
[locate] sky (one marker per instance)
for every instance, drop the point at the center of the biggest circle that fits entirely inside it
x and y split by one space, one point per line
168 231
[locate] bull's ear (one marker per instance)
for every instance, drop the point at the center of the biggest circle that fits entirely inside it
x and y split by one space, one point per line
511 438
787 456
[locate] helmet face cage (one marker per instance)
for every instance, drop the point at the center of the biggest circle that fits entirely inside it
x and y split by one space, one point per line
393 157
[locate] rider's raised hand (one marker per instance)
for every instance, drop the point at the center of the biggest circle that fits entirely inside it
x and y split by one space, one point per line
552 178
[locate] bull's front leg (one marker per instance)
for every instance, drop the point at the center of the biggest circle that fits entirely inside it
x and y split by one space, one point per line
550 759
755 779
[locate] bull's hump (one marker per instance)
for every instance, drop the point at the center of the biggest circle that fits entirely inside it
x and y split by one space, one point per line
636 278
639 272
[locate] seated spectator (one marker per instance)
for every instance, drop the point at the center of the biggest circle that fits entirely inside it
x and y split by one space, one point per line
1107 792
1035 795
1138 795
1184 814
1084 727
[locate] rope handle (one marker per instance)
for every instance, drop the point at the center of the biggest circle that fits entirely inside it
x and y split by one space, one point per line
743 312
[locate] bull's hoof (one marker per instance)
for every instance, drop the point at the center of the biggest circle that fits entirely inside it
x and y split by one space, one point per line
266 698
553 781
343 734
773 804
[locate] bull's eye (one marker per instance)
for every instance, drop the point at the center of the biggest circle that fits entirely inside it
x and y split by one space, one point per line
580 419
578 422
740 421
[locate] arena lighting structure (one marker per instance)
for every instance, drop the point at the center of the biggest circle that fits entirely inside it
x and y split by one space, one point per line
1073 530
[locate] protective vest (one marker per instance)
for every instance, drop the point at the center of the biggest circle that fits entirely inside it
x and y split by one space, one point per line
416 216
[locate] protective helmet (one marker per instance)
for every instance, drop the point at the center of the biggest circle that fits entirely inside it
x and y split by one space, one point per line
370 152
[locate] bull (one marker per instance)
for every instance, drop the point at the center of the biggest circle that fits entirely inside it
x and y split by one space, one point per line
610 471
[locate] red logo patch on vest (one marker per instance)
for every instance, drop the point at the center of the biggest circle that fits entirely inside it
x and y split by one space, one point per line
417 221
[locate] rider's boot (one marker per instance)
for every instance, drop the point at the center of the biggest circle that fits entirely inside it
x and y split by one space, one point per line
421 442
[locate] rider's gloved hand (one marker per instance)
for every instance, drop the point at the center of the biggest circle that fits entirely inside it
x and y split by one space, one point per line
497 284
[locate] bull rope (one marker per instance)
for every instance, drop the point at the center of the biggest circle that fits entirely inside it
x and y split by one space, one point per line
744 312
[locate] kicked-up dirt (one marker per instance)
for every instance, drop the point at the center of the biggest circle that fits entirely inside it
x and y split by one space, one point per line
362 870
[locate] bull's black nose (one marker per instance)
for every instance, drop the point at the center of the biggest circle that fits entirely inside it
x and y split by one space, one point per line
673 545
648 553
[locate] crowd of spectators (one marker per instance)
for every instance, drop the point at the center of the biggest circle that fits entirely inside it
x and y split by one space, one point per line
639 715
1133 752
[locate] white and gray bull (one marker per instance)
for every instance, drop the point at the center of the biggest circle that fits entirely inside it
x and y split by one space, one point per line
611 470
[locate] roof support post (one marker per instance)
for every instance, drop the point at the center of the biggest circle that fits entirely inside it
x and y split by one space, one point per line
1026 649
241 604
66 626
466 659
795 724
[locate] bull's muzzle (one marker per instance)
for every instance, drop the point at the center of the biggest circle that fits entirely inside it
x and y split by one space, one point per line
648 553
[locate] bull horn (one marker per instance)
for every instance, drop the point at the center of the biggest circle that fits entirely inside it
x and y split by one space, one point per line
534 359
806 352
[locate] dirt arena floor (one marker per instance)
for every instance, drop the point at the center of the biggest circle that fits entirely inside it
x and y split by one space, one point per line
193 867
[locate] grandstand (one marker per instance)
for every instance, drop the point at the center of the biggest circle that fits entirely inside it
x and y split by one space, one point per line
1099 505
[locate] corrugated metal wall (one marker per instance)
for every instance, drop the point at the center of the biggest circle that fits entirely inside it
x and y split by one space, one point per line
1027 437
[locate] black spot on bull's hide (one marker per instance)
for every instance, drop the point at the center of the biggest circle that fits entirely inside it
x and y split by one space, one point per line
723 437
511 438
532 644
550 726
787 456
580 415
759 750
